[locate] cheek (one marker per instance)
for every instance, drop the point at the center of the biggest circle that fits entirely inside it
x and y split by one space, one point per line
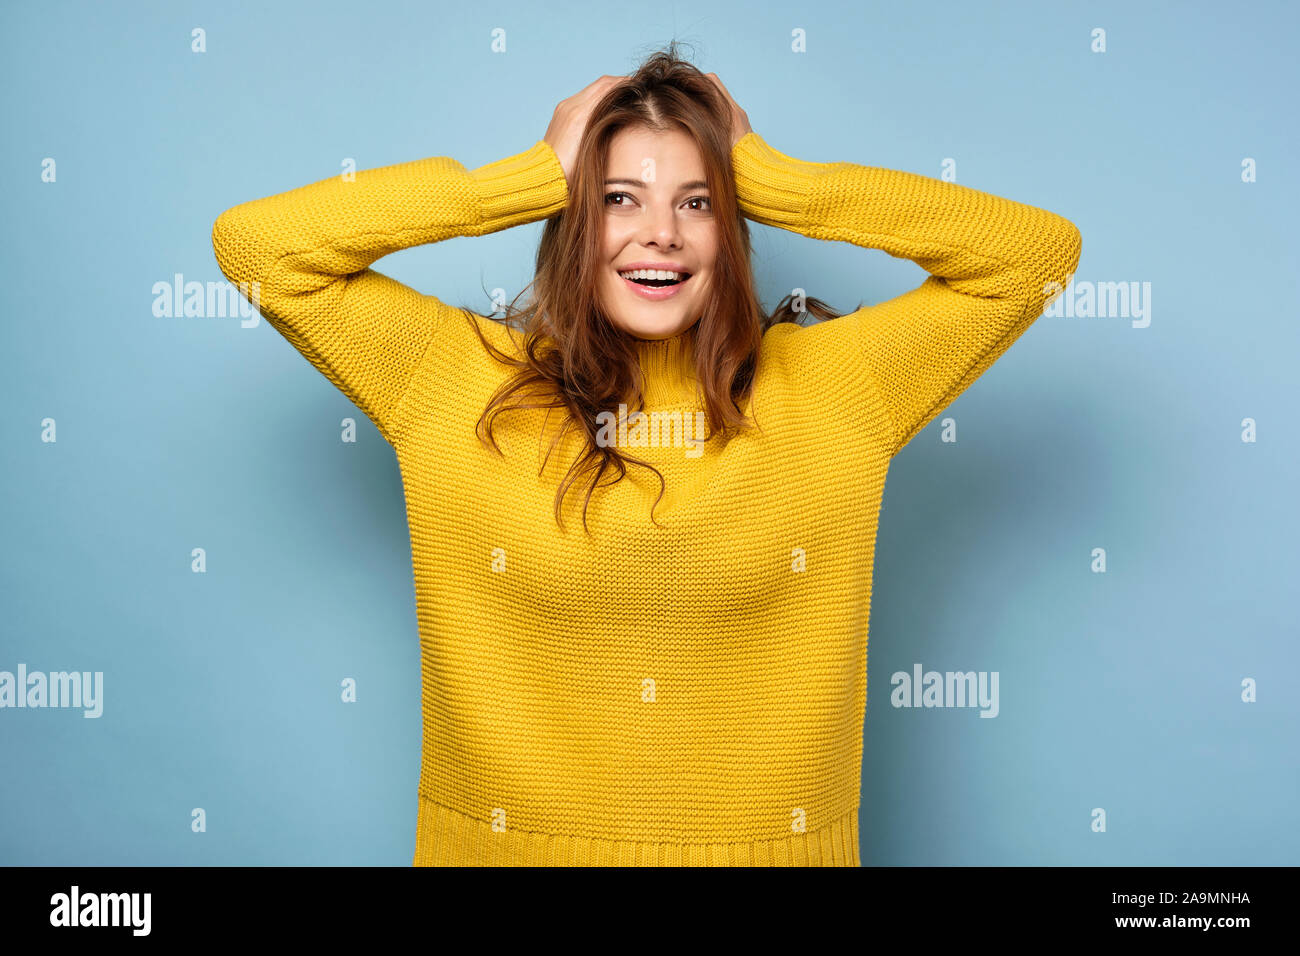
615 238
707 244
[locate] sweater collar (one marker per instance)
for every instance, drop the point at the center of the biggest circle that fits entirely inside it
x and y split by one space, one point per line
668 371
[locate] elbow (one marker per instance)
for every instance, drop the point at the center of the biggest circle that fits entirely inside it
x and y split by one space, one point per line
1048 264
1055 258
226 242
1072 243
1066 247
238 243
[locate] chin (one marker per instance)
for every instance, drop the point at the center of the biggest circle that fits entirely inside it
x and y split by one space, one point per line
653 328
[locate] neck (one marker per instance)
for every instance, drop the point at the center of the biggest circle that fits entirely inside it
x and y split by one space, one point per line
668 371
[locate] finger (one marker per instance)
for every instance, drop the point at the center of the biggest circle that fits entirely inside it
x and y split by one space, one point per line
599 86
718 83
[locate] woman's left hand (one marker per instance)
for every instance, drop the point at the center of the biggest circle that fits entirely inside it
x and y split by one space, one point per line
739 121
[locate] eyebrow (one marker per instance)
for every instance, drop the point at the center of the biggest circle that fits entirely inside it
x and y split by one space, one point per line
693 184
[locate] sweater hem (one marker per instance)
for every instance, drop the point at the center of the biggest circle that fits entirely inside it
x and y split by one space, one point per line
446 837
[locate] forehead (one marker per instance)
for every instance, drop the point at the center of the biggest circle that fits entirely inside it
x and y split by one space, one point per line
674 154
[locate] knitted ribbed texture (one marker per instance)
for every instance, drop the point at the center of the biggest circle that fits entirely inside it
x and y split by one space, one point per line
685 694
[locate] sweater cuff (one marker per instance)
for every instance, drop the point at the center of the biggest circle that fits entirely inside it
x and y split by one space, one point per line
772 187
521 188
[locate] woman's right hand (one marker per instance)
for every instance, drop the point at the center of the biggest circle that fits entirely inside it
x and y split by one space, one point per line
570 119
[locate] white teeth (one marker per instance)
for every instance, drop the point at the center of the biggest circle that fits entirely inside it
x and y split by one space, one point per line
653 274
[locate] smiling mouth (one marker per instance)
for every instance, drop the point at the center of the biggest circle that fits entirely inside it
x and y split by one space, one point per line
657 283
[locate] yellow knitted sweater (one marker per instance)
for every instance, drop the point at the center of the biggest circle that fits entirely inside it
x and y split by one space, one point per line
686 694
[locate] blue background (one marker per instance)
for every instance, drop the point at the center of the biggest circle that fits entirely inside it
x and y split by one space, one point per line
1119 690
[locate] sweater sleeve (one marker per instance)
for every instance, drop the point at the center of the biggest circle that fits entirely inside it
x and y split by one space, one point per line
993 264
306 257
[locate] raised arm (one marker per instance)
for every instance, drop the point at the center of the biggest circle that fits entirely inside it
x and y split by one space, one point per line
992 263
309 251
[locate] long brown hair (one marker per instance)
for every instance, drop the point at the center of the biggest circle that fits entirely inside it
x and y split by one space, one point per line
573 357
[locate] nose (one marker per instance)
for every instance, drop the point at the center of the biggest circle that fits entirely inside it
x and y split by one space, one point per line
662 228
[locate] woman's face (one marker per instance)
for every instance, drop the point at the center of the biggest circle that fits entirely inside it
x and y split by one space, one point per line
657 214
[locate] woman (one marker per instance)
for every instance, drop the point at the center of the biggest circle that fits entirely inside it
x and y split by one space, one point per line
669 665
